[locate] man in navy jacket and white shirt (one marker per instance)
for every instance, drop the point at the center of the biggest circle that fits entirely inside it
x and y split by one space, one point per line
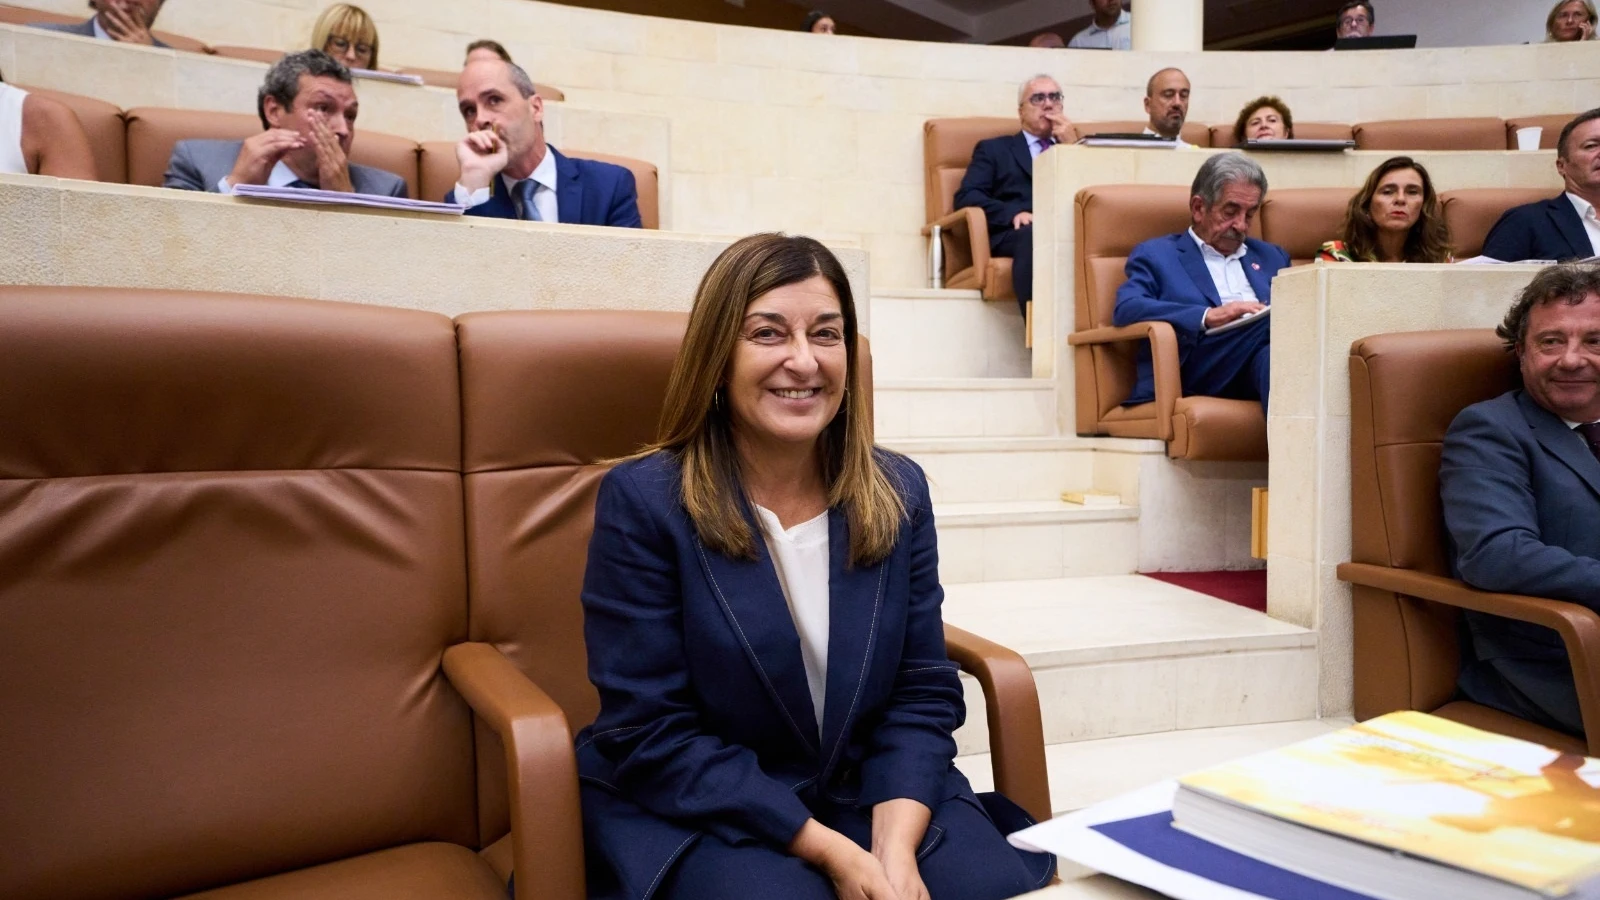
1564 227
1204 278
1519 480
508 171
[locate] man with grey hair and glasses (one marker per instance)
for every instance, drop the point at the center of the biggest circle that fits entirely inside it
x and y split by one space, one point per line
1000 177
308 107
508 171
1519 482
1211 283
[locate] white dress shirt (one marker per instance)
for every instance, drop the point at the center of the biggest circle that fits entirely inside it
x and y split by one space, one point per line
1227 274
1117 37
800 556
100 34
280 176
544 195
1179 142
12 159
1591 222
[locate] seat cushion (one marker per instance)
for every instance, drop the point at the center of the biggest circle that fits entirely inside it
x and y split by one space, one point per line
1217 429
1494 720
102 122
433 871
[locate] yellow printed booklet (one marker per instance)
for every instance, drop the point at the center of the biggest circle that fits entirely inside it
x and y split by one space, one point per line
1409 806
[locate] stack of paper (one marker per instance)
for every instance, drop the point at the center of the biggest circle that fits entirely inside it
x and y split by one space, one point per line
340 198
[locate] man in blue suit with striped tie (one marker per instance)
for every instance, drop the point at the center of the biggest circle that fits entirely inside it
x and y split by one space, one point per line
1205 278
508 171
1000 178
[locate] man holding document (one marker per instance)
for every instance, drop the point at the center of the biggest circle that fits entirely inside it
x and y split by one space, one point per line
1212 284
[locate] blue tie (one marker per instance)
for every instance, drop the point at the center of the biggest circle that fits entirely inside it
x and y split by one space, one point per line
525 191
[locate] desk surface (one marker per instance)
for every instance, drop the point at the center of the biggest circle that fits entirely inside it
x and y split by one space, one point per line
1093 887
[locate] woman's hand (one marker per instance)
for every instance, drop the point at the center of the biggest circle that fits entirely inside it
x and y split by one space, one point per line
855 873
898 827
901 868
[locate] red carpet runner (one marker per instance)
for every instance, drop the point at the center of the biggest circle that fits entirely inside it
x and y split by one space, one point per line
1248 588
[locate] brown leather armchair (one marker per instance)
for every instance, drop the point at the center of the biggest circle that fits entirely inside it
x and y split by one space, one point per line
1405 389
1222 135
22 15
1473 133
1471 212
102 122
961 250
1111 221
1552 125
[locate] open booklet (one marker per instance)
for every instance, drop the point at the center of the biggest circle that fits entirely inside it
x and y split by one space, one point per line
1242 321
340 198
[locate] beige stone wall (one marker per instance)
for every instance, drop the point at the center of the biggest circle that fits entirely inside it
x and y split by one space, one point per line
1318 312
824 135
56 232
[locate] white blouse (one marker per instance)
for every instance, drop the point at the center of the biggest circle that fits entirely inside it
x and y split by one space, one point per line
800 556
11 158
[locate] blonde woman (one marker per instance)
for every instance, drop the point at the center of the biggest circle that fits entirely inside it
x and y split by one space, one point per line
761 612
348 34
1570 20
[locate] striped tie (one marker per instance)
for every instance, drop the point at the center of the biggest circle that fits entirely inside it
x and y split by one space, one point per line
1591 434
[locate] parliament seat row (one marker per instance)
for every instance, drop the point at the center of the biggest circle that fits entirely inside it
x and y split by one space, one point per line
18 15
963 234
290 593
1113 219
133 147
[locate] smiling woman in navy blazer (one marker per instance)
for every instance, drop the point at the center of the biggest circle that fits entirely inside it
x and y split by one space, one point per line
764 559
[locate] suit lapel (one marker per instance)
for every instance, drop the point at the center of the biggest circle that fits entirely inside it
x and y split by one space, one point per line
1256 275
569 190
855 604
1189 255
752 600
1571 228
1562 442
1019 148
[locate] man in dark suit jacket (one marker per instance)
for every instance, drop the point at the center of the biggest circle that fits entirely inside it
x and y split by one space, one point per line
1520 484
308 108
1000 178
127 21
1564 227
506 171
1205 278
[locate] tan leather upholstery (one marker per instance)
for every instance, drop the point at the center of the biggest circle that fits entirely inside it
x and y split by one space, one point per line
1111 221
1431 134
21 15
102 122
1222 135
234 558
1405 389
1471 212
449 78
1196 133
1300 220
253 54
154 131
1552 126
439 171
946 152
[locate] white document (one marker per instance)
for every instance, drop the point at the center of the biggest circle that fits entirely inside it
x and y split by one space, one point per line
1491 261
1242 321
379 75
1071 837
316 197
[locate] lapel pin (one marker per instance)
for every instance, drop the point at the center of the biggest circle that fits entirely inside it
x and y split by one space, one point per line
1256 266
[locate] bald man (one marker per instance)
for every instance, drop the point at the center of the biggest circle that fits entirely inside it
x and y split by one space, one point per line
1166 102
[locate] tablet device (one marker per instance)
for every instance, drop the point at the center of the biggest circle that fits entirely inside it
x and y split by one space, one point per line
1377 42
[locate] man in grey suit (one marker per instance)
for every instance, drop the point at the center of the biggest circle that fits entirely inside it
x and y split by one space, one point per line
308 108
1520 481
127 21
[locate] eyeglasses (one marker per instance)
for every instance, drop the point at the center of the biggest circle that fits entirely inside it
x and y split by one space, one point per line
342 44
1042 98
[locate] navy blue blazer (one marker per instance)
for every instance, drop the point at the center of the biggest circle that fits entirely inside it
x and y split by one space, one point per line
1168 282
1549 229
999 179
1521 496
588 192
706 722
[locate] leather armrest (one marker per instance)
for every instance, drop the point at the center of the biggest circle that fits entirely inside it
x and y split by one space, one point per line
1163 357
541 769
1578 626
967 222
1016 732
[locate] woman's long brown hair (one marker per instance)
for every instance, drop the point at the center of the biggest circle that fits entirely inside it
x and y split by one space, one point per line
1428 241
696 426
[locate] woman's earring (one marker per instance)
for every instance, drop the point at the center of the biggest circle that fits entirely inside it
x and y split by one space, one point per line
716 400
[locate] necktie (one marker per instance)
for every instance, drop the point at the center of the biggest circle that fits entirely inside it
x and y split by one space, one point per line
525 192
1591 434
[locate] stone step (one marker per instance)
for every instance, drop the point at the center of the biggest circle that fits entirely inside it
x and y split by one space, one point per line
1084 773
964 407
994 469
1022 539
1124 655
945 334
